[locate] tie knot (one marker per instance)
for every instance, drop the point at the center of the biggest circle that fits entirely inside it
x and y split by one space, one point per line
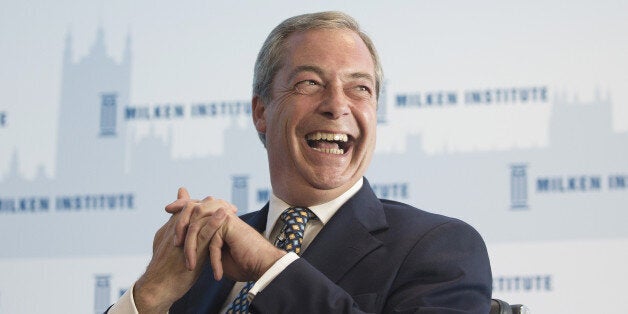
297 215
291 236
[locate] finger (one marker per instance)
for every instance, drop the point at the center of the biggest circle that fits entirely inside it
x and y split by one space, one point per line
207 199
206 207
197 219
207 228
192 212
182 198
182 193
190 244
215 255
181 226
178 205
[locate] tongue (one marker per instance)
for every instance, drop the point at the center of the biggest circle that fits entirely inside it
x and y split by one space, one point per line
324 144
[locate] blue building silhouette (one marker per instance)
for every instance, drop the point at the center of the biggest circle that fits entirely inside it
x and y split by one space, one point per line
91 134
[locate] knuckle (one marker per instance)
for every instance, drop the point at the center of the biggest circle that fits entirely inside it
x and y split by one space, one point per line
195 212
215 223
188 206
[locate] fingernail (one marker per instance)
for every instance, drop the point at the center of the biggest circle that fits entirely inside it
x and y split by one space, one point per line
220 214
175 239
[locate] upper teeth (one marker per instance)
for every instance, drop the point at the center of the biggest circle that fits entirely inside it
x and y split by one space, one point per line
338 137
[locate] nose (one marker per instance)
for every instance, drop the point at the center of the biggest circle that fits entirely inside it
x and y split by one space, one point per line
335 104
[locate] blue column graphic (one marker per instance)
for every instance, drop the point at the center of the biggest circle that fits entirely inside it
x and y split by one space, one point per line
240 192
518 186
102 293
108 114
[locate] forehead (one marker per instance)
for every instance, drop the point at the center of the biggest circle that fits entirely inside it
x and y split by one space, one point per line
329 49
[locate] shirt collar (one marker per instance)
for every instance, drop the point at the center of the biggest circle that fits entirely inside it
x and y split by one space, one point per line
324 211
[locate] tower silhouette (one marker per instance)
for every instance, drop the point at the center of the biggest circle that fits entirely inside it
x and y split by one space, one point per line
91 136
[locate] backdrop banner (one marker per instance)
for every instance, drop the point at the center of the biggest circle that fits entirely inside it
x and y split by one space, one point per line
512 118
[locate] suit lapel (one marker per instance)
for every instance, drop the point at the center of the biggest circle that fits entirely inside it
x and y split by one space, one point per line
347 237
257 219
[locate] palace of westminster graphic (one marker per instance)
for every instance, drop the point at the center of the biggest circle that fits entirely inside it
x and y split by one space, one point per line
104 179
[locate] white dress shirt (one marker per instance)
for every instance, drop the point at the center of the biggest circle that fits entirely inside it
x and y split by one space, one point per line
324 212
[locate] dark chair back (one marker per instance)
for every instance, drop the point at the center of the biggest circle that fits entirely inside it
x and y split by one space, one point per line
502 307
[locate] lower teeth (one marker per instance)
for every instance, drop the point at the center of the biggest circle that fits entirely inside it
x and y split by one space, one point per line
335 151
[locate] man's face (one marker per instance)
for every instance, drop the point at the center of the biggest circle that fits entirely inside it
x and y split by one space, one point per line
320 124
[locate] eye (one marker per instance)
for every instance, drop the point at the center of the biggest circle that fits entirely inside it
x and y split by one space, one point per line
308 87
363 88
360 92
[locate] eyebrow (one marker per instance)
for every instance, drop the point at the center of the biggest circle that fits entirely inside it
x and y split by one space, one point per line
362 75
304 68
319 71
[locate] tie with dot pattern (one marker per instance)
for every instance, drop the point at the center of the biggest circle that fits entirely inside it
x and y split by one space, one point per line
290 239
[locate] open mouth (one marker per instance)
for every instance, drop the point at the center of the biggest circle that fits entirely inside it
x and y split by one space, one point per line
329 143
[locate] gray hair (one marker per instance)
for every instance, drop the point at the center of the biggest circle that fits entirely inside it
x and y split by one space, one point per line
271 55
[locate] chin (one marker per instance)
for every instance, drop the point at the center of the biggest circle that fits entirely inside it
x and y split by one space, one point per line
330 181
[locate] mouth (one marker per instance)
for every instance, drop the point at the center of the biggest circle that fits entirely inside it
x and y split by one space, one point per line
329 143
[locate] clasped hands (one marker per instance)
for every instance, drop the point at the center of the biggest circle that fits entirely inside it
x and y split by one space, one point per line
195 231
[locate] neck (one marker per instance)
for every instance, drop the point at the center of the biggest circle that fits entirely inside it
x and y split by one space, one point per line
310 196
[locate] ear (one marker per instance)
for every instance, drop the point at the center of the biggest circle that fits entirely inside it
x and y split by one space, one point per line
259 117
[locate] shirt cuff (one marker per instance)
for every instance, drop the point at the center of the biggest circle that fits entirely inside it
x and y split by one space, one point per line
271 274
125 305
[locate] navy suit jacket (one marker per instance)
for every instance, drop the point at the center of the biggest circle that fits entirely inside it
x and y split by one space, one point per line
375 256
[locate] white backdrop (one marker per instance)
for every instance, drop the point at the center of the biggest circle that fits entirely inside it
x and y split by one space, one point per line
510 116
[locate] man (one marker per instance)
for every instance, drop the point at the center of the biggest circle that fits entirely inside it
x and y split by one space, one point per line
316 84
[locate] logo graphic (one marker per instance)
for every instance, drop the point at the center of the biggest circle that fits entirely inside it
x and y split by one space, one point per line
518 186
618 182
240 192
395 190
102 293
108 114
523 283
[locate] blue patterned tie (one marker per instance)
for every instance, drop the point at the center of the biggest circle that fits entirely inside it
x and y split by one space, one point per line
290 239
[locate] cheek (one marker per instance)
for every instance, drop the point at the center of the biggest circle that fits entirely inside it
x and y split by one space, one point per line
280 125
366 117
